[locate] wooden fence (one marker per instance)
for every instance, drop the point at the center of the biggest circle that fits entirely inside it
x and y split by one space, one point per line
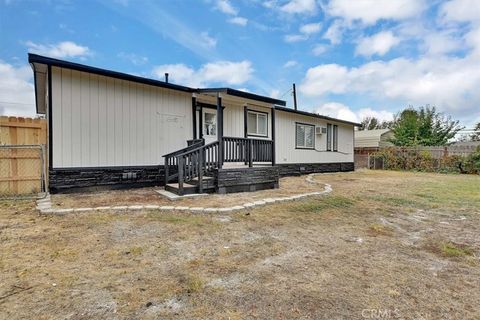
17 130
22 155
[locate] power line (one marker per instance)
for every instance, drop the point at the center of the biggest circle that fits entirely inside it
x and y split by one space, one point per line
289 90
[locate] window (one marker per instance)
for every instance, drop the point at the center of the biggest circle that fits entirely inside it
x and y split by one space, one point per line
329 137
257 123
335 137
210 124
305 136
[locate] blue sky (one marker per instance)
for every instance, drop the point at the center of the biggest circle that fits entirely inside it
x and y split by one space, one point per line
349 59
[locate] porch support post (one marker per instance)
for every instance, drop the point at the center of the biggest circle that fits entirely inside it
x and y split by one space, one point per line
245 121
194 116
245 133
200 122
220 131
273 136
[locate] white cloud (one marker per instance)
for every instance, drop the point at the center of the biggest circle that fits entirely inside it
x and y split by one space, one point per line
337 110
436 43
269 4
239 21
319 49
290 63
461 10
341 111
450 83
226 7
65 49
325 78
306 31
379 43
370 11
16 90
472 38
334 33
300 6
311 28
291 38
208 40
275 93
135 59
227 72
178 73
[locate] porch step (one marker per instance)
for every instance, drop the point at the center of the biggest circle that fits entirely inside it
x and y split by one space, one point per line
187 188
192 186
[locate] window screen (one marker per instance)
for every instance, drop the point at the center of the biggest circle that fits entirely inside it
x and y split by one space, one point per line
305 136
257 123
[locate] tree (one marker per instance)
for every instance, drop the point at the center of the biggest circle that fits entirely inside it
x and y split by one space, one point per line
372 123
476 135
424 127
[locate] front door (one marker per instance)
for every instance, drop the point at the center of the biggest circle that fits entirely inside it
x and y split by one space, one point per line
209 125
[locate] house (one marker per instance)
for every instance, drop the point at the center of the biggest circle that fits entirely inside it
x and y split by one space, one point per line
370 141
111 129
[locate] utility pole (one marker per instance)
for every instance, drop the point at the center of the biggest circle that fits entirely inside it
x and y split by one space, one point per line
294 97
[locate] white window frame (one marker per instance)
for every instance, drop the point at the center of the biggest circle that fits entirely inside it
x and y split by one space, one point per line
257 114
297 124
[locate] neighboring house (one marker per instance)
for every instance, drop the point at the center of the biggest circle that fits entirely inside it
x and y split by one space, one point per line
113 129
370 141
378 138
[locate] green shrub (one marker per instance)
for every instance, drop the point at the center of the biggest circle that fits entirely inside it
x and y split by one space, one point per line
420 160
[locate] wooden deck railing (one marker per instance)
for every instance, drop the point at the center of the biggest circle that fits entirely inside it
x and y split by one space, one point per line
247 150
171 162
197 159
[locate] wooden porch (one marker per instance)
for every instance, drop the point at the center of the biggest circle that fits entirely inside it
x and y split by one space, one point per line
194 169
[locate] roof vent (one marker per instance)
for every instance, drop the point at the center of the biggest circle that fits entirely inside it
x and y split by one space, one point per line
166 77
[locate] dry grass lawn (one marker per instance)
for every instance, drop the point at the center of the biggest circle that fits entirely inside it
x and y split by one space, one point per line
402 245
288 186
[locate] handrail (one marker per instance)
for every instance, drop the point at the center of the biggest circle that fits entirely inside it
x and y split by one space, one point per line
200 142
197 148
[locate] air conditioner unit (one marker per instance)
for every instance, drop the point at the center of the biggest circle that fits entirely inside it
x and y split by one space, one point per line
320 130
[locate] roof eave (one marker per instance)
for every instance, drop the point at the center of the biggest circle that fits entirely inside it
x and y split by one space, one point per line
314 115
35 58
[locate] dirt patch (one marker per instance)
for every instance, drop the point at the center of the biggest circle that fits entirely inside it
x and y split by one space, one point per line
288 187
395 243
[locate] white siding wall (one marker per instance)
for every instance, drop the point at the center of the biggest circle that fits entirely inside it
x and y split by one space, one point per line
102 122
285 141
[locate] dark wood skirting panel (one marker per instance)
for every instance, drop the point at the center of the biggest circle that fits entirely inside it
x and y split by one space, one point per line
295 169
86 179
